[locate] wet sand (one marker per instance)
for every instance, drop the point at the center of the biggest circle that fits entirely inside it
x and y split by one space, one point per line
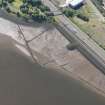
23 82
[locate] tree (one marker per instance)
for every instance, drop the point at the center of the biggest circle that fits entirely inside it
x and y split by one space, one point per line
24 9
4 3
68 12
10 1
81 16
44 8
18 14
34 2
8 9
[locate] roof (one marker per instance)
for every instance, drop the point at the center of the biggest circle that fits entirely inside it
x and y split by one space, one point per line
72 3
75 2
68 1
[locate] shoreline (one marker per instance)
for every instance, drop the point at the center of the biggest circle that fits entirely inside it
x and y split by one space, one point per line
23 81
24 50
86 84
62 71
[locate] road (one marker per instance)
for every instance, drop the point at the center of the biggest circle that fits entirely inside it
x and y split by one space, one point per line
86 45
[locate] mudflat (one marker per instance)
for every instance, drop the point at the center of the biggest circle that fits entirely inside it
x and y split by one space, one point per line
23 82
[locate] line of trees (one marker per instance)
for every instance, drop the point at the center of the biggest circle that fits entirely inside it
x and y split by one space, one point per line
71 13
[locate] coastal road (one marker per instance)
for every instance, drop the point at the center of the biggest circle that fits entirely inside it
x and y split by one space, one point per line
86 45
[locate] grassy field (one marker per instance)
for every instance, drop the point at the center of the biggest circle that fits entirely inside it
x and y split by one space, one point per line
95 27
100 5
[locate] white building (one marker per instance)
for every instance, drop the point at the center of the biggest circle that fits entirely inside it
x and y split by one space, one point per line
76 3
72 3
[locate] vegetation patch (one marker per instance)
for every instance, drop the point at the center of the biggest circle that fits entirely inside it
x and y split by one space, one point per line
28 9
69 12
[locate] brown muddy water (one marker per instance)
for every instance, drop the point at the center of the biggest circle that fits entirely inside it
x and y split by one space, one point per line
24 83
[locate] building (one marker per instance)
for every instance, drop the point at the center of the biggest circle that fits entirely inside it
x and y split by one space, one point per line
73 3
76 3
